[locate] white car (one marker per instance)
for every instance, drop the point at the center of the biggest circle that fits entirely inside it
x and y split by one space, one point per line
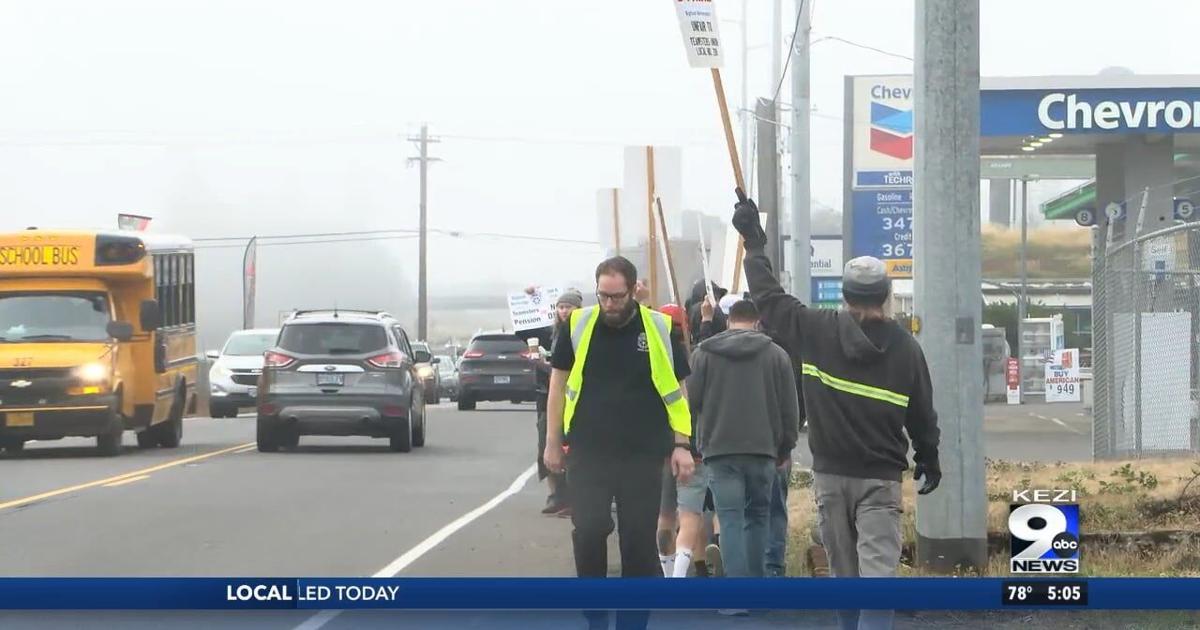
233 378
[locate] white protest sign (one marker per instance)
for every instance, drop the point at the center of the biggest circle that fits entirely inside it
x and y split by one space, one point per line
1062 377
532 311
698 24
708 281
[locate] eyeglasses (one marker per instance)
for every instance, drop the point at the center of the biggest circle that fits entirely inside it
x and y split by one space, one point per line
614 298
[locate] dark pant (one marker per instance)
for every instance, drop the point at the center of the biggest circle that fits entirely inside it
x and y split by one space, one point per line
635 482
777 525
741 487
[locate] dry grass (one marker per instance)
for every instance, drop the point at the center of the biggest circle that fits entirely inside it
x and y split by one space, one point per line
1131 496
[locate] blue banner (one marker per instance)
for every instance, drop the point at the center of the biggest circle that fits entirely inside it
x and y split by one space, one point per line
883 179
583 594
1107 111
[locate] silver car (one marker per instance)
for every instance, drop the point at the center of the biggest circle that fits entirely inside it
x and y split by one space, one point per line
233 378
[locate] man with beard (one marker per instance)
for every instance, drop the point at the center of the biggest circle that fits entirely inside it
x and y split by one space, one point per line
617 397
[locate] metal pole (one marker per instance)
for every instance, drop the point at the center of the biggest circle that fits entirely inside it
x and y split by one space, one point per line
422 266
801 182
951 522
1022 302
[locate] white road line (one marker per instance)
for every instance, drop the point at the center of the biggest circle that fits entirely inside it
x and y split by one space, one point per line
252 447
125 481
1056 421
412 555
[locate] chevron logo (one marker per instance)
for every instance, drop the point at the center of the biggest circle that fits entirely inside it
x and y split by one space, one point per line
891 131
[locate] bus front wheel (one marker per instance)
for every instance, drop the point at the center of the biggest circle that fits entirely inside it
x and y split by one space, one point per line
108 444
169 434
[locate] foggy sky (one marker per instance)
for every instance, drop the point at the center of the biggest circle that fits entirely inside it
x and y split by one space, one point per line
226 118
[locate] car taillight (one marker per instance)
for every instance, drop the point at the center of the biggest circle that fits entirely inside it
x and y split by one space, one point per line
387 360
474 354
277 360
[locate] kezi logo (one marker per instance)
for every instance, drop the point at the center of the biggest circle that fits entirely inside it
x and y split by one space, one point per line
1043 537
891 131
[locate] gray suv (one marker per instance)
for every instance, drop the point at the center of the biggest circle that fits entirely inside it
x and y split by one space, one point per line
341 373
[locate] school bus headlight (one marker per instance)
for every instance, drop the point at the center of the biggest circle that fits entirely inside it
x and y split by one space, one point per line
93 373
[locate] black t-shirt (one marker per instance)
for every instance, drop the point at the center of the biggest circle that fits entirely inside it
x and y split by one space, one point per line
619 411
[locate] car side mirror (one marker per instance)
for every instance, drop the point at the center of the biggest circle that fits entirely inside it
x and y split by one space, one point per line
121 331
150 315
437 360
212 354
420 356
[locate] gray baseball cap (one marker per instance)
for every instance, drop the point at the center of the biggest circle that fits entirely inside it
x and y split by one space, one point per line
866 276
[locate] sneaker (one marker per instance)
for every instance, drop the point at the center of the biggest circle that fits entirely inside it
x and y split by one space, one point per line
564 512
712 557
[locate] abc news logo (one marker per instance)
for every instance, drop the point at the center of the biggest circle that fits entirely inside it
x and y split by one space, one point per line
1043 532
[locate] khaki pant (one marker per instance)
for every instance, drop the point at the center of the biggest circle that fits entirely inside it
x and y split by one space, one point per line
859 520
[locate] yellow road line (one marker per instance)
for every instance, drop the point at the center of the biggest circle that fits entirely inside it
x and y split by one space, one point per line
134 473
125 481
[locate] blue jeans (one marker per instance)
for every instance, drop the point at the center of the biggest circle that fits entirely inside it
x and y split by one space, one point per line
741 487
777 525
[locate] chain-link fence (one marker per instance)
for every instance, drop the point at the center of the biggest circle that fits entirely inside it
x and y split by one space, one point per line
1146 329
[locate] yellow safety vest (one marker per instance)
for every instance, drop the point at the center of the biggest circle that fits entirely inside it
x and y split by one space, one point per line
662 365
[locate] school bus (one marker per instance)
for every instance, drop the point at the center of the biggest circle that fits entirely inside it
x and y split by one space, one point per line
97 336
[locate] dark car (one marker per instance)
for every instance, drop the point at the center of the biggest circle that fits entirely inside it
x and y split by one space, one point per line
341 373
496 366
447 377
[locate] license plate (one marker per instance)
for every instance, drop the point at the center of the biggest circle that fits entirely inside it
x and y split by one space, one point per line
331 379
502 380
253 392
20 419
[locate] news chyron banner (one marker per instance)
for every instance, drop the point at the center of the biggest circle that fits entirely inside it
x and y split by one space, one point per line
879 152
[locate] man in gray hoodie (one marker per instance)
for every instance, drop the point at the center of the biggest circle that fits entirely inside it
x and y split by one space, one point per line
742 392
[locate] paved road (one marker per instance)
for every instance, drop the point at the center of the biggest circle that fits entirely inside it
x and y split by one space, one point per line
338 507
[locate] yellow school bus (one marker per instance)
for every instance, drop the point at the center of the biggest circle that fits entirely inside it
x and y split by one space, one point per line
97 336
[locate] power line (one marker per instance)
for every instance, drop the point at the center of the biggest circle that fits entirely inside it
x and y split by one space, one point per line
849 42
310 242
791 45
219 241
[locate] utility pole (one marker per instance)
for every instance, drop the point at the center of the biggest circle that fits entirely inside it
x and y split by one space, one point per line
768 180
801 182
423 159
952 521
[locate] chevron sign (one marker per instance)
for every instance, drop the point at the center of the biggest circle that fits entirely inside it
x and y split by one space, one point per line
891 131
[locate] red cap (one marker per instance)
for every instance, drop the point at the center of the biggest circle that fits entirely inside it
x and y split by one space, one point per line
678 316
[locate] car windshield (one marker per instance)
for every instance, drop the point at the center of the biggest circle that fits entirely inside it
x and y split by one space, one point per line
74 316
330 338
498 345
249 344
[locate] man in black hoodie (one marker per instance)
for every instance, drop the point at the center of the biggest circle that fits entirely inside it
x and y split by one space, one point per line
743 400
865 384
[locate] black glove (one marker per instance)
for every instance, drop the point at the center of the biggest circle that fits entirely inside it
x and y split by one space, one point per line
932 475
745 221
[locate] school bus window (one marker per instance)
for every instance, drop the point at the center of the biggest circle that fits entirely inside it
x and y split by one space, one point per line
191 289
54 317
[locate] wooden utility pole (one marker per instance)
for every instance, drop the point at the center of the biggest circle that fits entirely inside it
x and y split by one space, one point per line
652 239
423 159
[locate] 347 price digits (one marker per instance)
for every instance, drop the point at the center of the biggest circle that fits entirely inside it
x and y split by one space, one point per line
898 223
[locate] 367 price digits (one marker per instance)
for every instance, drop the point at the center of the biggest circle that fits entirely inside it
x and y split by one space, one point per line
895 250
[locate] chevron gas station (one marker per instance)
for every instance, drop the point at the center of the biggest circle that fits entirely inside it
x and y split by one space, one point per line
1121 134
